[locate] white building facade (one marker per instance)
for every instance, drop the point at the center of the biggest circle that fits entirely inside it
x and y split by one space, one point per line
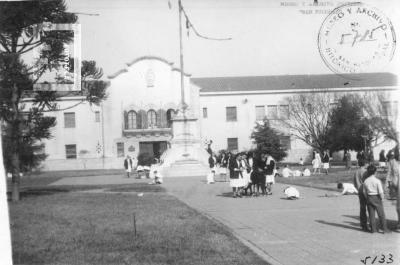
144 97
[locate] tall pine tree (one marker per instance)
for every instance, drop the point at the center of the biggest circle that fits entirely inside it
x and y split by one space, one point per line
21 31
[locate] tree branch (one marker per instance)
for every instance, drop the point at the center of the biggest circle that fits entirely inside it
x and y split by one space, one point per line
38 43
67 108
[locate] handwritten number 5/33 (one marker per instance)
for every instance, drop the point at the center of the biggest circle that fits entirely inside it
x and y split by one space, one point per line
382 259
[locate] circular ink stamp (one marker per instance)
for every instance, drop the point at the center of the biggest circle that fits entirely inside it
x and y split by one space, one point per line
356 38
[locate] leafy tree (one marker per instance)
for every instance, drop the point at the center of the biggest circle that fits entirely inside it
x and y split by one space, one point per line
308 118
347 125
267 140
21 31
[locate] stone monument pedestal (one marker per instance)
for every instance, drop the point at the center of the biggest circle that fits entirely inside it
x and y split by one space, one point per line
186 157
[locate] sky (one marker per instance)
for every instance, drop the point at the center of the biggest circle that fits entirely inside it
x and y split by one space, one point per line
268 37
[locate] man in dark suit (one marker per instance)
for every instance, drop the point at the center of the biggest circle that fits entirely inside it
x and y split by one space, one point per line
128 165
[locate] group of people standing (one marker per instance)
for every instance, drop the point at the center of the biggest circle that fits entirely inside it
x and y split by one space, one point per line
371 193
249 173
320 161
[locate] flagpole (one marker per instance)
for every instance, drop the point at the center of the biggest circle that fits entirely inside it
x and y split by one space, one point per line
183 104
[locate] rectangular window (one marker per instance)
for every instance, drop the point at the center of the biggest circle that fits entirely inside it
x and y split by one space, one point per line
385 108
272 112
285 142
69 119
333 105
233 144
205 114
395 108
120 150
97 116
284 112
231 114
260 113
70 151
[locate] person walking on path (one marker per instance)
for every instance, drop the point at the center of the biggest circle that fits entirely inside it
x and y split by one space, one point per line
373 189
359 177
128 165
270 173
236 181
325 161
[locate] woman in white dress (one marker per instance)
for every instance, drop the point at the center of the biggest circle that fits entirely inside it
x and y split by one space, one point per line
316 163
270 174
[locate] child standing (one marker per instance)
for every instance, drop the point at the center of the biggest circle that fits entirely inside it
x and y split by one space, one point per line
325 161
374 191
316 163
270 174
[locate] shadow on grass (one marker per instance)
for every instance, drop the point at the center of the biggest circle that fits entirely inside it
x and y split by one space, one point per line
37 192
137 187
52 190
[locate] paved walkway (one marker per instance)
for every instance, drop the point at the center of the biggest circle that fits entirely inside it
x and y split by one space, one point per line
312 230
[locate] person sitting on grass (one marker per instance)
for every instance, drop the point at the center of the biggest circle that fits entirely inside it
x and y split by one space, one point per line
291 193
347 188
286 172
297 173
306 172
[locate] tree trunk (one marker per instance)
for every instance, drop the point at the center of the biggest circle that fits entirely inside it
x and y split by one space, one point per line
15 175
15 160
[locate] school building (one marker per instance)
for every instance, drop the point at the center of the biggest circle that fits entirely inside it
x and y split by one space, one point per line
144 98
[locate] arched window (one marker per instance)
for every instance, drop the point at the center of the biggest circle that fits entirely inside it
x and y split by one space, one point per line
132 120
151 119
170 115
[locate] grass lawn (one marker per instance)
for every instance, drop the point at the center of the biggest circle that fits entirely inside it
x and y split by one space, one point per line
323 181
75 227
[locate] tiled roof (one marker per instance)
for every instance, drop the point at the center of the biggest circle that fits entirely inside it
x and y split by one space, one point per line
283 82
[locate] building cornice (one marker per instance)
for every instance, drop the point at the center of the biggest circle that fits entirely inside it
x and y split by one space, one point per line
75 98
297 91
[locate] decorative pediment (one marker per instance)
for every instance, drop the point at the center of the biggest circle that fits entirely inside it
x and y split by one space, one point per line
148 58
